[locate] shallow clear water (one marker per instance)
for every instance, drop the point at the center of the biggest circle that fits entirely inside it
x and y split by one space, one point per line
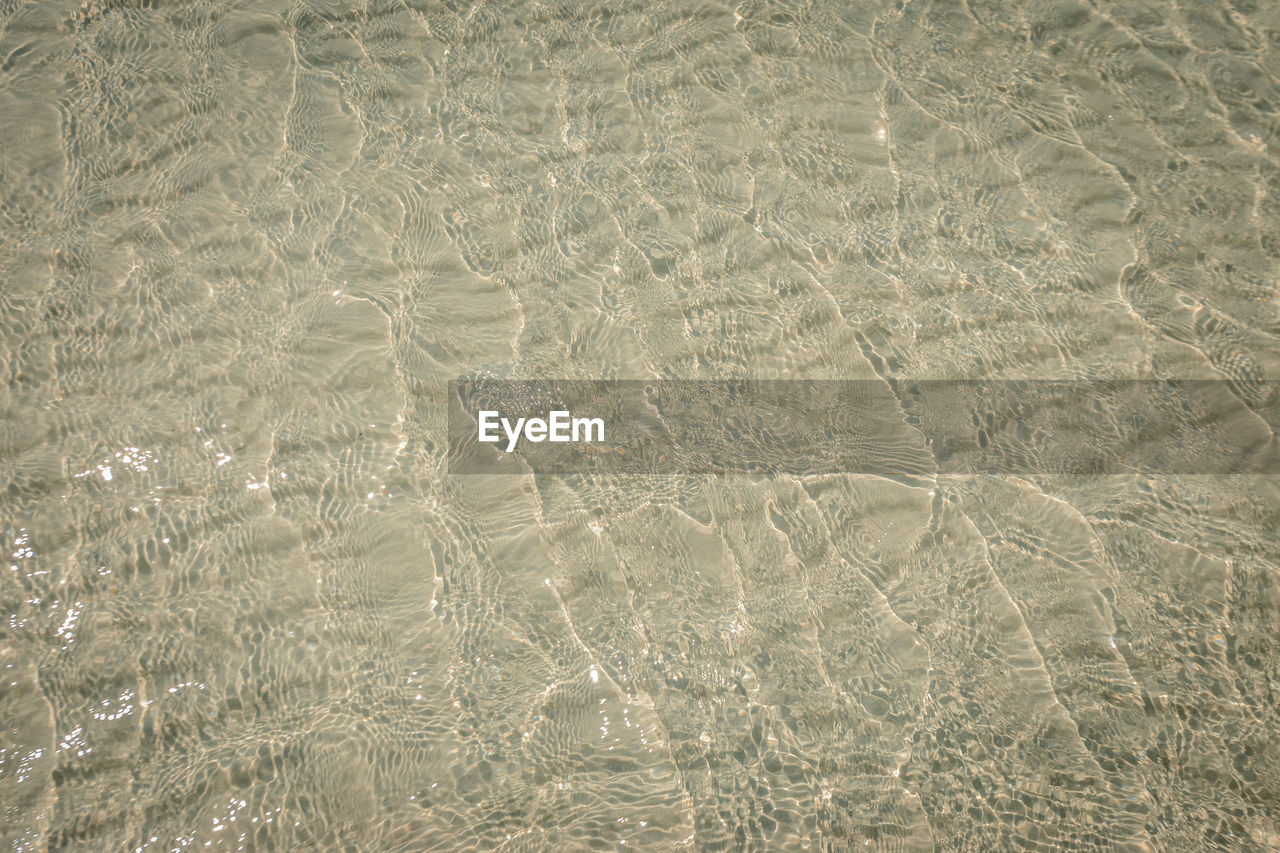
245 246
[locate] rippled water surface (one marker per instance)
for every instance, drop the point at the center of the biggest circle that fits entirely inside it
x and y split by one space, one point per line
245 246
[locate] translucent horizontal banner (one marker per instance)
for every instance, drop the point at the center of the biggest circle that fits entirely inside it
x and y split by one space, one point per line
910 430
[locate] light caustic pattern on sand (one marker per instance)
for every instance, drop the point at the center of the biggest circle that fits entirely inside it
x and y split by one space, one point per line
246 245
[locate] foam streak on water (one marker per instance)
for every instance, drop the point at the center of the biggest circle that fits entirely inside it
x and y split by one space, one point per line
245 246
